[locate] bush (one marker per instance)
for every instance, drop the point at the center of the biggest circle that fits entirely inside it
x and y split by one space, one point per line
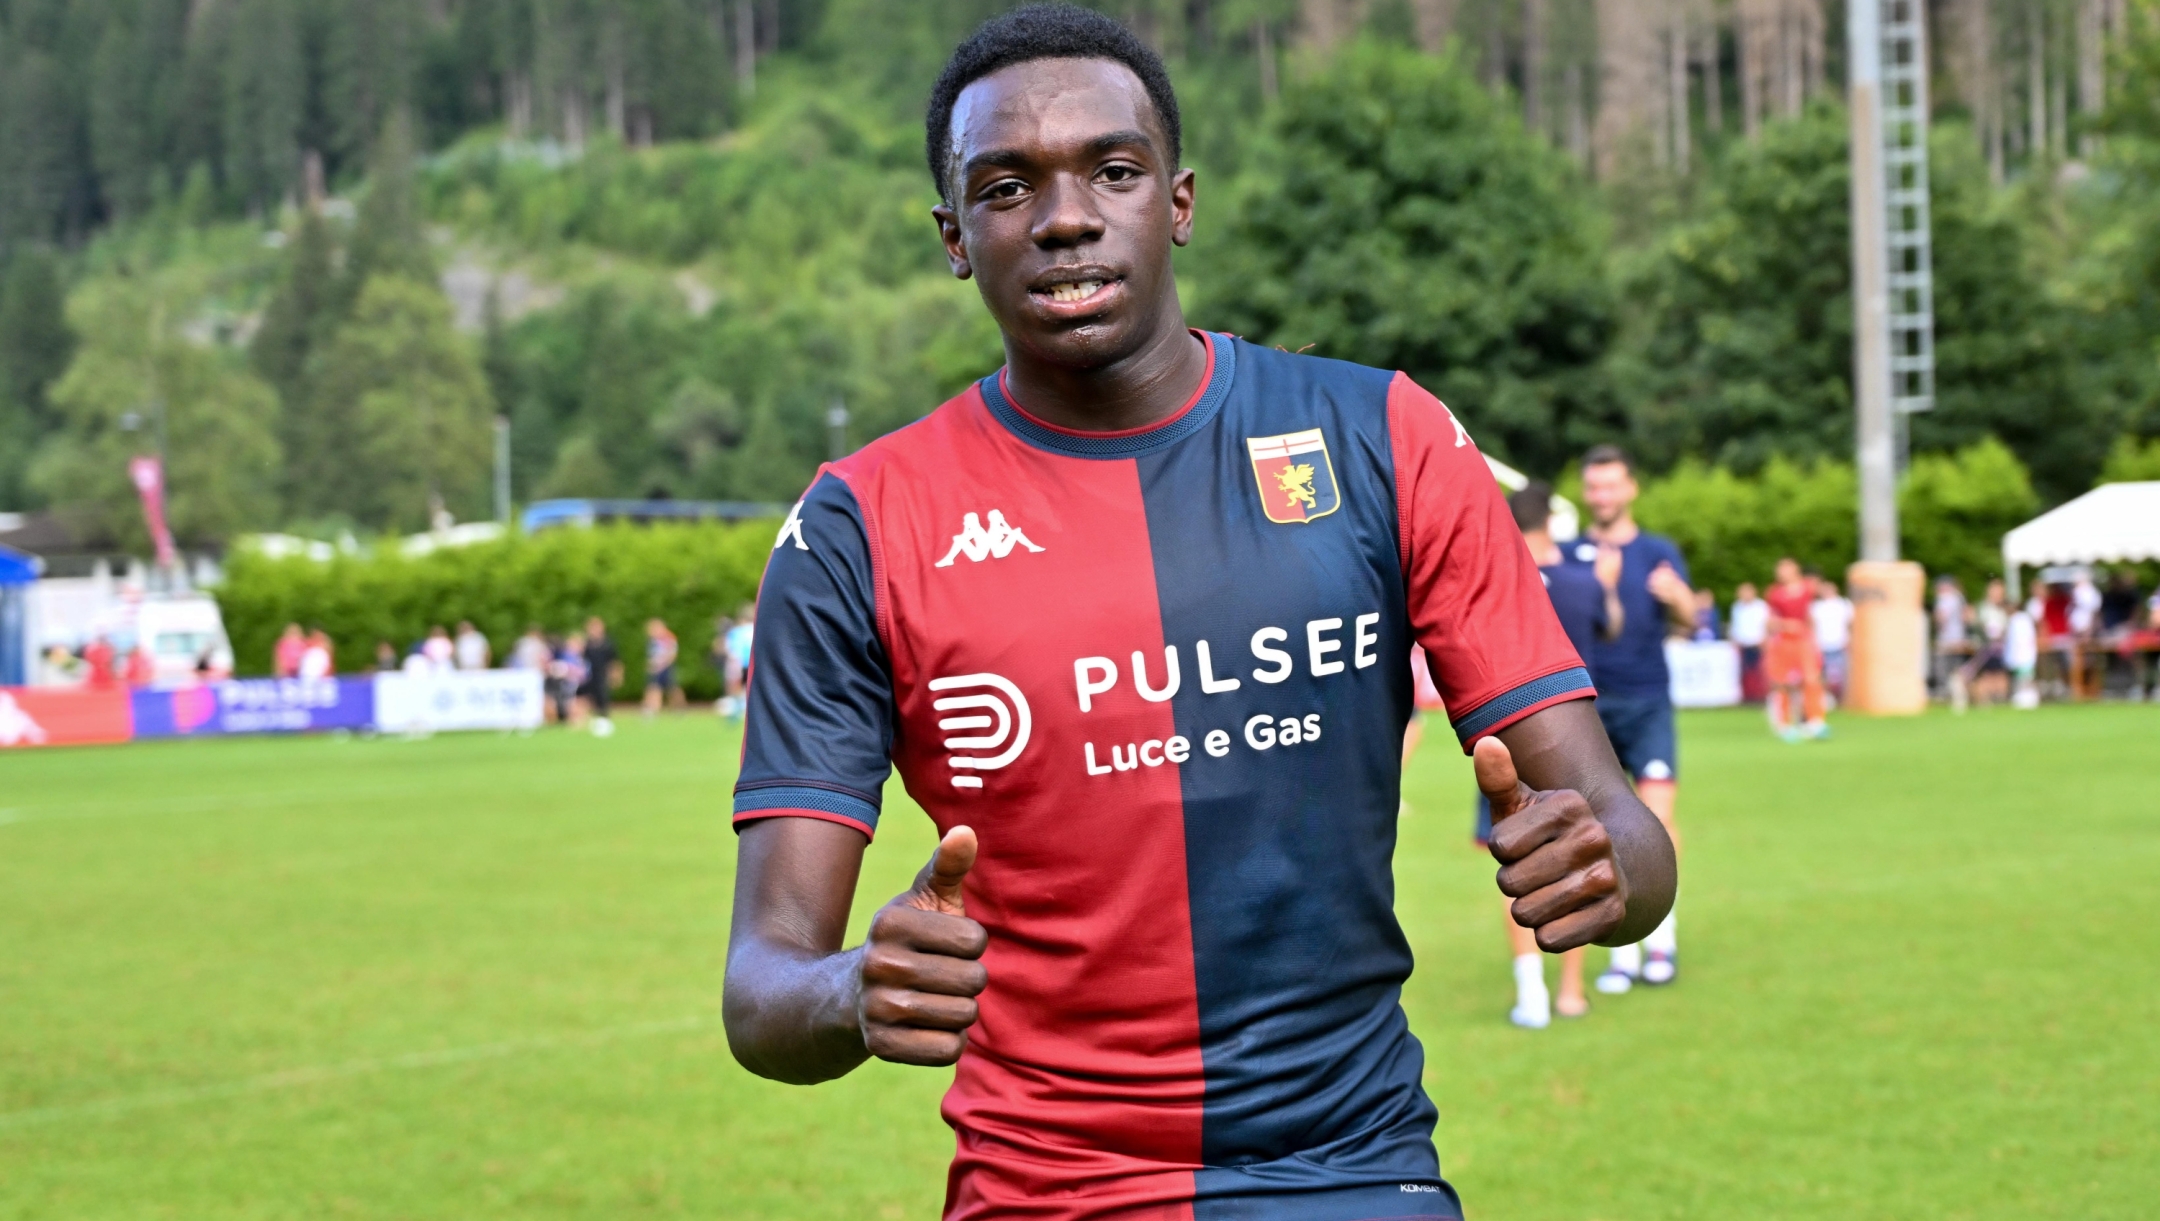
683 574
1953 510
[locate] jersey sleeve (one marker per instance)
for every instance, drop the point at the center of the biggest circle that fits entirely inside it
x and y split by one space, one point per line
1477 604
818 733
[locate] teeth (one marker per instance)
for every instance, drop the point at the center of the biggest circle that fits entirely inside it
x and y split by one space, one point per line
1076 292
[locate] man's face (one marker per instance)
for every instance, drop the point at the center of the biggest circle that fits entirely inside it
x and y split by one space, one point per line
1609 489
1065 207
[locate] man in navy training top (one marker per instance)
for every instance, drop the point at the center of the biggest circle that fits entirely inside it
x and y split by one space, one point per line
1128 617
1634 686
1586 599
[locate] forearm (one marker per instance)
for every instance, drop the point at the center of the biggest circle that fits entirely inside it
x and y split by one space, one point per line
790 1001
792 1015
1564 747
1615 615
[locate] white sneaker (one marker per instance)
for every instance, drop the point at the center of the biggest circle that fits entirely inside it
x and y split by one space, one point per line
1660 968
1533 1013
1615 982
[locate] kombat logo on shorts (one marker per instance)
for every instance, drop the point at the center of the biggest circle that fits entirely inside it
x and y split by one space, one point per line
996 717
1297 481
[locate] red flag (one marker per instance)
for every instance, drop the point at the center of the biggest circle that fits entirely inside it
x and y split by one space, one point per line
149 477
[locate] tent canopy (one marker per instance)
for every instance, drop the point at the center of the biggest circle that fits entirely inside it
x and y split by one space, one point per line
17 568
2113 523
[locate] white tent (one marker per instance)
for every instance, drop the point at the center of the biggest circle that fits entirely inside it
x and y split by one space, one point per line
2113 523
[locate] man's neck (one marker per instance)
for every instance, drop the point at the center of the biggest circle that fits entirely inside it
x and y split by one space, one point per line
1620 531
1144 388
1542 549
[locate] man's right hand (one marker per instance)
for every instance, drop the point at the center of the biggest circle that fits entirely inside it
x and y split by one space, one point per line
920 972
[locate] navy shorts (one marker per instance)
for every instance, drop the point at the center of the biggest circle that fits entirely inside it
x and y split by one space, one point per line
1641 729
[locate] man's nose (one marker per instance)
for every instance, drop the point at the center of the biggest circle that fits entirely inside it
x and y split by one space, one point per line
1067 215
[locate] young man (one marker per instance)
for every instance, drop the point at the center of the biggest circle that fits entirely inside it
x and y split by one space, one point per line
1792 663
1129 615
603 670
661 650
1831 614
1634 686
1749 627
1586 598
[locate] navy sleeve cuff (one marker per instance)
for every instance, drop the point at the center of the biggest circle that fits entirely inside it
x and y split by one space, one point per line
1511 706
752 803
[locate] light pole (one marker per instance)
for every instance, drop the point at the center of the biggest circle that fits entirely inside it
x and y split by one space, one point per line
1888 650
502 469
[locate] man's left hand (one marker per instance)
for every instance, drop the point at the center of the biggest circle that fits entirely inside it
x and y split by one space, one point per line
1556 858
1667 587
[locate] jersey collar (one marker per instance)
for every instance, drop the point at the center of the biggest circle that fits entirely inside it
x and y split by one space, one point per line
1132 442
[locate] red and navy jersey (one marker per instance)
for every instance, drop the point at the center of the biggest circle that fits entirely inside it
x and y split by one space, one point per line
1160 673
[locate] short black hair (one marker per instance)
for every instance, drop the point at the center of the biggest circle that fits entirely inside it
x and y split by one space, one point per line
1042 31
1605 455
1531 505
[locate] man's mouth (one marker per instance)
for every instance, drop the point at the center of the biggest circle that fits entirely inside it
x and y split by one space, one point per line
1076 289
1079 291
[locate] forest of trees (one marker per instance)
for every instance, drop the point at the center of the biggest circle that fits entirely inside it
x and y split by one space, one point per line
312 249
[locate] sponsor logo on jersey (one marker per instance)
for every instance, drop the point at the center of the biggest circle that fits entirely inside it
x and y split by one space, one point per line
1297 481
978 544
993 717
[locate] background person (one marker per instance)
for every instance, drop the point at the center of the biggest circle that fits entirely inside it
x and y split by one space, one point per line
1831 616
440 651
603 671
1952 620
285 659
1791 661
318 661
661 650
1634 685
471 651
1748 628
735 663
566 679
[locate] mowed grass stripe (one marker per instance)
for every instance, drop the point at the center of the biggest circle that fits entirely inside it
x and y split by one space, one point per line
1914 985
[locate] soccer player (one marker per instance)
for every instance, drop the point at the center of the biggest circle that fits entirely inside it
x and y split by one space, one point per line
661 650
1791 660
1634 686
1587 600
1129 617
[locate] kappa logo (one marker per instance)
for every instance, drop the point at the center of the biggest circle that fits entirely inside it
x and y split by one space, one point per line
1002 722
1297 480
978 544
792 529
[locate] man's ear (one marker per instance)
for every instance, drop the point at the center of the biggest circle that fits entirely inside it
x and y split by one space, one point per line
1181 207
956 255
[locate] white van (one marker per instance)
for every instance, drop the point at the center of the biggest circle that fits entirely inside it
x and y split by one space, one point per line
186 637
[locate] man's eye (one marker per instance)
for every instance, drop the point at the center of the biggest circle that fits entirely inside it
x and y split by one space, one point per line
1004 189
1119 173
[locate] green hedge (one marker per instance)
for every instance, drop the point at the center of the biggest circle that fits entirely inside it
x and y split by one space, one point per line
684 574
1953 510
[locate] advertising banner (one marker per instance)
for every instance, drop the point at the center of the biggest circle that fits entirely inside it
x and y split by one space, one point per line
457 699
256 705
1705 673
47 716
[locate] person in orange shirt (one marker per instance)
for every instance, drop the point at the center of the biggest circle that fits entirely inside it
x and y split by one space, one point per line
1790 659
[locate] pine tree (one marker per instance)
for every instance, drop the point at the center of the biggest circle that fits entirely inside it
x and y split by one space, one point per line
388 237
265 92
293 325
35 347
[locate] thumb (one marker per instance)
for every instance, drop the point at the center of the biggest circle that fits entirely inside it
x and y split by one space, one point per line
937 887
1496 778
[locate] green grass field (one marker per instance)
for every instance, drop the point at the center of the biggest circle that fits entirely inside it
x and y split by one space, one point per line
479 977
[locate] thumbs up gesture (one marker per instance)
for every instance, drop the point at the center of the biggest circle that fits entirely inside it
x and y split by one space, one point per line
920 968
1556 857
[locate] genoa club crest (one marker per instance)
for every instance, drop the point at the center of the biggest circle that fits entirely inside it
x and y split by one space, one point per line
1297 482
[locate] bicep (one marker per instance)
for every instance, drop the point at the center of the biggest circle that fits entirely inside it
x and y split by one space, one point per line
795 882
